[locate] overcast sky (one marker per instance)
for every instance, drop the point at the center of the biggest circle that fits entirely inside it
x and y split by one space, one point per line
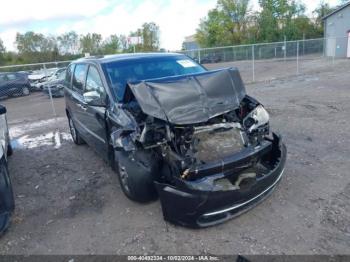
176 18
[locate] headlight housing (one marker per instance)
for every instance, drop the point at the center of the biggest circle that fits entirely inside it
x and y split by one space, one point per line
256 118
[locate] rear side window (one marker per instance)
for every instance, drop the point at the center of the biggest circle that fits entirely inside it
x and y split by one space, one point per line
69 74
79 77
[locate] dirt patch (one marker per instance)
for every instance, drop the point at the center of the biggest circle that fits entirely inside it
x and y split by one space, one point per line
336 221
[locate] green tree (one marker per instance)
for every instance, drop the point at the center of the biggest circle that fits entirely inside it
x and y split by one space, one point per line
211 32
149 33
29 42
231 22
111 45
68 43
236 15
305 28
322 10
277 19
91 43
227 24
33 47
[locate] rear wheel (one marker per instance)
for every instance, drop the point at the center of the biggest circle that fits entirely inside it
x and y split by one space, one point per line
9 150
25 91
74 132
135 173
6 197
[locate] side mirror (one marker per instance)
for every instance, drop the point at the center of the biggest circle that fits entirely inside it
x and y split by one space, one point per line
2 110
93 98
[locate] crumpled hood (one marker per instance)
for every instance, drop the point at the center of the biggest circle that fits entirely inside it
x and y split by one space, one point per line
190 99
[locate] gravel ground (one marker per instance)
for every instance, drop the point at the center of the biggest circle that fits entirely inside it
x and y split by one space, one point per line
271 69
69 201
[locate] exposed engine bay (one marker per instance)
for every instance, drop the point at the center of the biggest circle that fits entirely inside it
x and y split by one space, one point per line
182 148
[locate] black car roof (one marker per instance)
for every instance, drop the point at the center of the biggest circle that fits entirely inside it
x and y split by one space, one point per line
121 57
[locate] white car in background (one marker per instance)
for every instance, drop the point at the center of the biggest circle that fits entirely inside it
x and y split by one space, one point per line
40 78
7 203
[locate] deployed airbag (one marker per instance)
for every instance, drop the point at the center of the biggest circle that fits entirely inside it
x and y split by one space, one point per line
190 99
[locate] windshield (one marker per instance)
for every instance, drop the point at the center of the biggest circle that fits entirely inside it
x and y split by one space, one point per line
119 73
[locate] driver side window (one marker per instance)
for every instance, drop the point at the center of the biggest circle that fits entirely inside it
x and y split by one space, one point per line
94 82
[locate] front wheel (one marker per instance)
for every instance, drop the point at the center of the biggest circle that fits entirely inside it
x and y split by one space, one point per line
136 175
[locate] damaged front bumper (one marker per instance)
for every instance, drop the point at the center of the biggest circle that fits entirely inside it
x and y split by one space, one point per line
205 202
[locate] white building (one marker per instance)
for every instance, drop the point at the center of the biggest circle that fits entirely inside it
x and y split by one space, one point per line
337 32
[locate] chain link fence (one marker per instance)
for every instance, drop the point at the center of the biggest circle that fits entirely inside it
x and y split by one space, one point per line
24 80
266 61
21 84
32 94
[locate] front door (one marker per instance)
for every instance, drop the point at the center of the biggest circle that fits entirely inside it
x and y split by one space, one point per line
93 116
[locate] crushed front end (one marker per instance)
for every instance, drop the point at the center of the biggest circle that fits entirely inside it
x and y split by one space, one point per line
217 170
224 188
215 157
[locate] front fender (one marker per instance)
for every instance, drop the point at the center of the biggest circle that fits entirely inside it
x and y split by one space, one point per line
121 140
124 128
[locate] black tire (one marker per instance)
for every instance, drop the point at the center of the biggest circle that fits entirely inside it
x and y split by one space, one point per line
9 150
136 175
4 222
77 139
7 202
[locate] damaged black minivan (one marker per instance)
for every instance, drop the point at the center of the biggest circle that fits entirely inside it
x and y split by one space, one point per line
174 130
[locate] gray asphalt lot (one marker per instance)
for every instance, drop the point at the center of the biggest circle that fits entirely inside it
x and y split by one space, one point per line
69 201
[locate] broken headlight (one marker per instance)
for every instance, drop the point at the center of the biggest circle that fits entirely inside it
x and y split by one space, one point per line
256 118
